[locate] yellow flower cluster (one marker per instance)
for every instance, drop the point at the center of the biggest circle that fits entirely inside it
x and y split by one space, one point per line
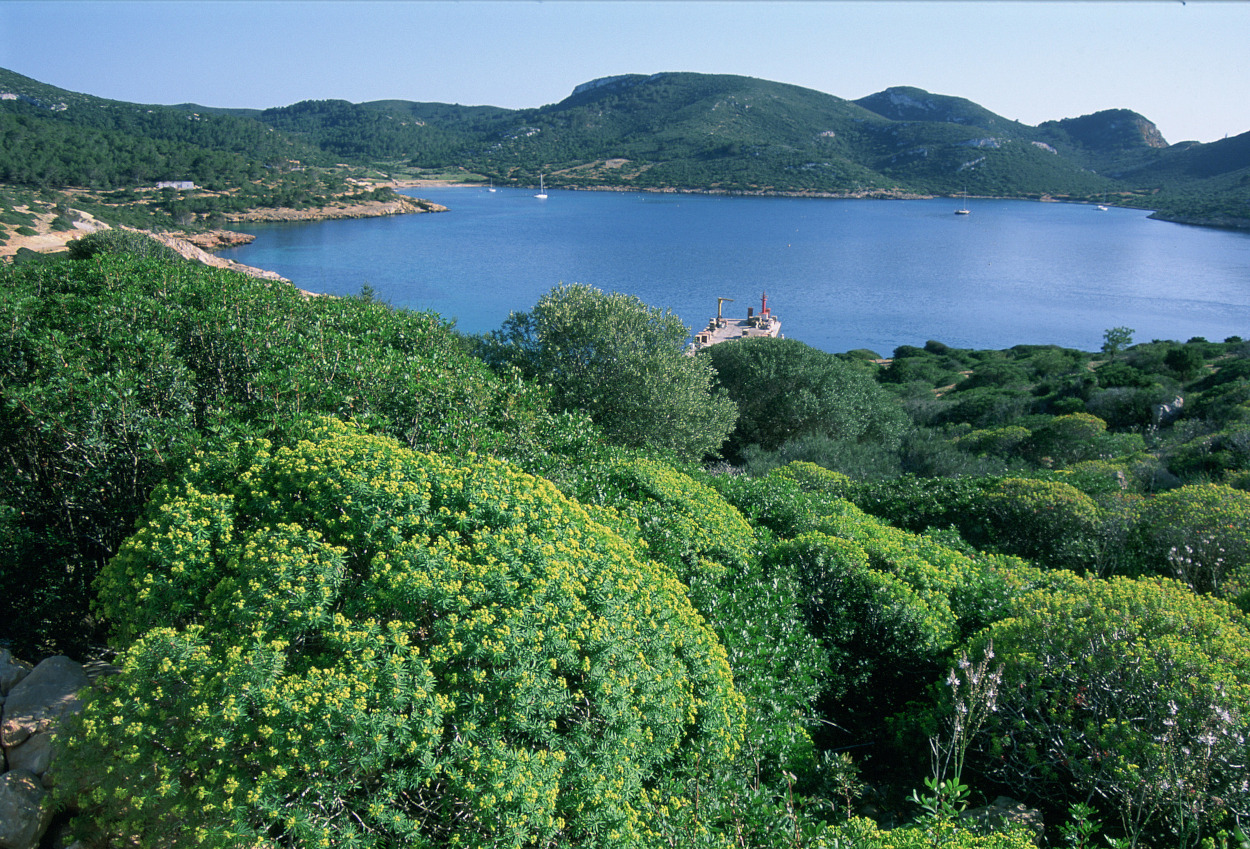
371 645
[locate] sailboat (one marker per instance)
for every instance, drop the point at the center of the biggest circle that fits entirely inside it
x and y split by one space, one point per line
492 185
542 191
964 210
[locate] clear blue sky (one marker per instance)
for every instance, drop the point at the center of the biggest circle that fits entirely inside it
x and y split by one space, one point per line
1185 66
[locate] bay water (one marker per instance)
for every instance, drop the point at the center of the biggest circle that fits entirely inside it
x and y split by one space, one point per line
840 274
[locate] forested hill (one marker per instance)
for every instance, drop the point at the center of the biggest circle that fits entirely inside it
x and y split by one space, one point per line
54 137
681 131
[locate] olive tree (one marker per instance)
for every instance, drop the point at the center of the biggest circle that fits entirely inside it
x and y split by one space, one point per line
622 362
786 390
1116 339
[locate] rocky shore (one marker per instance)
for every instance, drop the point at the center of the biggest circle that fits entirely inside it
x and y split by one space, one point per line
188 247
401 205
197 246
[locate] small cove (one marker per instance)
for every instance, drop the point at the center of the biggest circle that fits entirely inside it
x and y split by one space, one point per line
841 274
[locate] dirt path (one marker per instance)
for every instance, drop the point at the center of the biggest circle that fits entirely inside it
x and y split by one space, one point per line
46 239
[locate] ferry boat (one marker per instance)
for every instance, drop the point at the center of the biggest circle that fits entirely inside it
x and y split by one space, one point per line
720 329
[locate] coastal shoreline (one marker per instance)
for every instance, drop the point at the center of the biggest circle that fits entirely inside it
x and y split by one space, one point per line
198 246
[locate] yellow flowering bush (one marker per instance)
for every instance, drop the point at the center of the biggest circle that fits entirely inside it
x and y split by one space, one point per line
814 478
1048 521
686 524
863 833
345 642
777 663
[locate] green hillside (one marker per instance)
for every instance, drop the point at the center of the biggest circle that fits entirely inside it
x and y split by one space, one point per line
904 103
56 137
683 131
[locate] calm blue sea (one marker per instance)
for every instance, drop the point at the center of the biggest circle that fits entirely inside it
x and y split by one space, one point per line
841 274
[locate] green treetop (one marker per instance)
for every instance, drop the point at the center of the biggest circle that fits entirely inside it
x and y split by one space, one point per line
623 363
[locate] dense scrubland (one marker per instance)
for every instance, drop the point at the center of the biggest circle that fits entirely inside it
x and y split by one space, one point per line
375 583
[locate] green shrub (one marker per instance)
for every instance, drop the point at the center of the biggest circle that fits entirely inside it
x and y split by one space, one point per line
1198 534
1130 694
16 219
1067 404
778 665
814 478
1066 439
786 390
779 504
1187 361
855 459
686 525
1212 455
861 354
993 375
1124 408
882 636
1048 521
121 241
1002 441
1122 374
918 504
346 642
922 369
1102 477
986 407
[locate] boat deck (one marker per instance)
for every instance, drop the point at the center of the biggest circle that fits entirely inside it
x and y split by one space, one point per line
720 329
726 329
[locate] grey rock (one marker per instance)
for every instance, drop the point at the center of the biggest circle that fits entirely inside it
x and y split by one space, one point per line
34 754
12 670
1007 812
39 701
1165 414
25 811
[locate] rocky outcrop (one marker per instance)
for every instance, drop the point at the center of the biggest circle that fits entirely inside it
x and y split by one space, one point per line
1111 129
33 703
184 248
38 702
216 240
401 205
12 670
1162 415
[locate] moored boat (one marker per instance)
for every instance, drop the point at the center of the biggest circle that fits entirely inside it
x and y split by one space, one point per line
721 329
